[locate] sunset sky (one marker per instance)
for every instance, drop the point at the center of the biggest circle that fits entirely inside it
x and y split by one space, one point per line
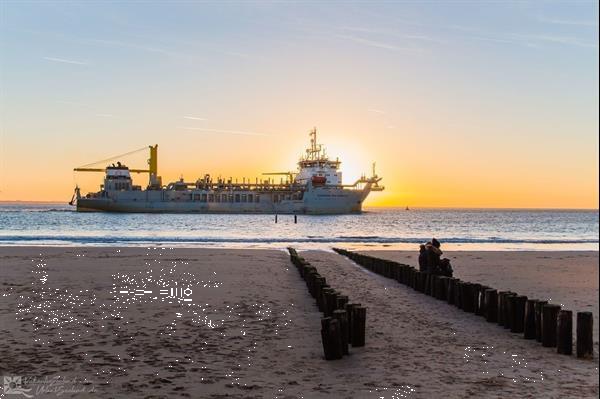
461 104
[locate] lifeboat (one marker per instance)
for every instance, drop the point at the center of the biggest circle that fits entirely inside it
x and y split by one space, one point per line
318 180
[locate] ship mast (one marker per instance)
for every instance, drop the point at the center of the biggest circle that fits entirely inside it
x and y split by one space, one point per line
314 152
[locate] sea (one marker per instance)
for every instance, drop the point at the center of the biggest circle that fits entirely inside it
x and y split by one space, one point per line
57 224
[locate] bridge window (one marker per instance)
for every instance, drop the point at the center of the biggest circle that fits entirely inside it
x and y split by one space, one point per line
244 197
237 198
250 199
257 198
211 198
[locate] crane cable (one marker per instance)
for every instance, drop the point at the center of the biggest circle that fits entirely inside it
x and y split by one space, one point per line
112 158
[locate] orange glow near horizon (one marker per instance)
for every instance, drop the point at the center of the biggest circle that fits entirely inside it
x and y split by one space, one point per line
405 176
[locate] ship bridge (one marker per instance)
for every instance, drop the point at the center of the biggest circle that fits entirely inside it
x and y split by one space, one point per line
316 166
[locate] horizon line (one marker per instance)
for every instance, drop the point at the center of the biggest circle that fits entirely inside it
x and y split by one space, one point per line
378 206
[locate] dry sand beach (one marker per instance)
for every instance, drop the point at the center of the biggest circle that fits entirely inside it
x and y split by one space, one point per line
252 330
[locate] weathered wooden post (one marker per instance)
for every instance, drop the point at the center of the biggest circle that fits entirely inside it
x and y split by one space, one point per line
538 319
481 309
275 218
321 297
518 313
466 296
328 301
508 310
549 316
437 286
445 281
501 301
529 324
450 290
342 317
585 341
457 291
564 332
349 312
341 302
432 282
331 335
295 219
491 305
414 279
309 277
422 281
475 288
319 283
427 284
359 318
417 280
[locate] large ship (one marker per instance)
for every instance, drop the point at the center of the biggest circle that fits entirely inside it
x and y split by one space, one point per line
315 188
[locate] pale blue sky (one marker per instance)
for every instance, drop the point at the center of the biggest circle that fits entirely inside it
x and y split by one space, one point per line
518 77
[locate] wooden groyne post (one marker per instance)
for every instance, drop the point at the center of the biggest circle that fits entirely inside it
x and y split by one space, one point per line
359 318
529 324
564 332
539 305
585 340
342 317
491 305
331 335
549 316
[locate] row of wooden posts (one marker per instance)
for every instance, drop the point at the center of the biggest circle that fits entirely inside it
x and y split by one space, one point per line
535 319
343 323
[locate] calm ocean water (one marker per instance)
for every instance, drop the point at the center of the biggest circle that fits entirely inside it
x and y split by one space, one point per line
58 224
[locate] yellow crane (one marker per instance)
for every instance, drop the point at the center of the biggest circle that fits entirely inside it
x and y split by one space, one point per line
152 162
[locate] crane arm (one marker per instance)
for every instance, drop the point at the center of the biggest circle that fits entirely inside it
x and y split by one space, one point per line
104 170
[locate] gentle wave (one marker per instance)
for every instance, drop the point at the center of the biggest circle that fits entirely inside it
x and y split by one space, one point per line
322 240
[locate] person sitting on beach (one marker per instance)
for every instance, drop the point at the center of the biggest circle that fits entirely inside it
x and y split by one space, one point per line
434 254
445 268
423 258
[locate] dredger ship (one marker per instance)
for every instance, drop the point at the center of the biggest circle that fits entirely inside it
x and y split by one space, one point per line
315 188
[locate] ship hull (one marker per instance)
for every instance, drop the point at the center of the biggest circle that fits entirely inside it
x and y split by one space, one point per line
320 201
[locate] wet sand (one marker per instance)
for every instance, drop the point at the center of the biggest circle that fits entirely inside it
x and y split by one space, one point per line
252 330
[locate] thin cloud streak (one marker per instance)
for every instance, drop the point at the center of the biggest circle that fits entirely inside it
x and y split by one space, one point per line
568 22
194 118
239 132
65 61
566 40
392 33
373 43
377 111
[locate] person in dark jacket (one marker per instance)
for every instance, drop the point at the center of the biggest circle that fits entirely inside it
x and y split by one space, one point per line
423 258
434 254
445 267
